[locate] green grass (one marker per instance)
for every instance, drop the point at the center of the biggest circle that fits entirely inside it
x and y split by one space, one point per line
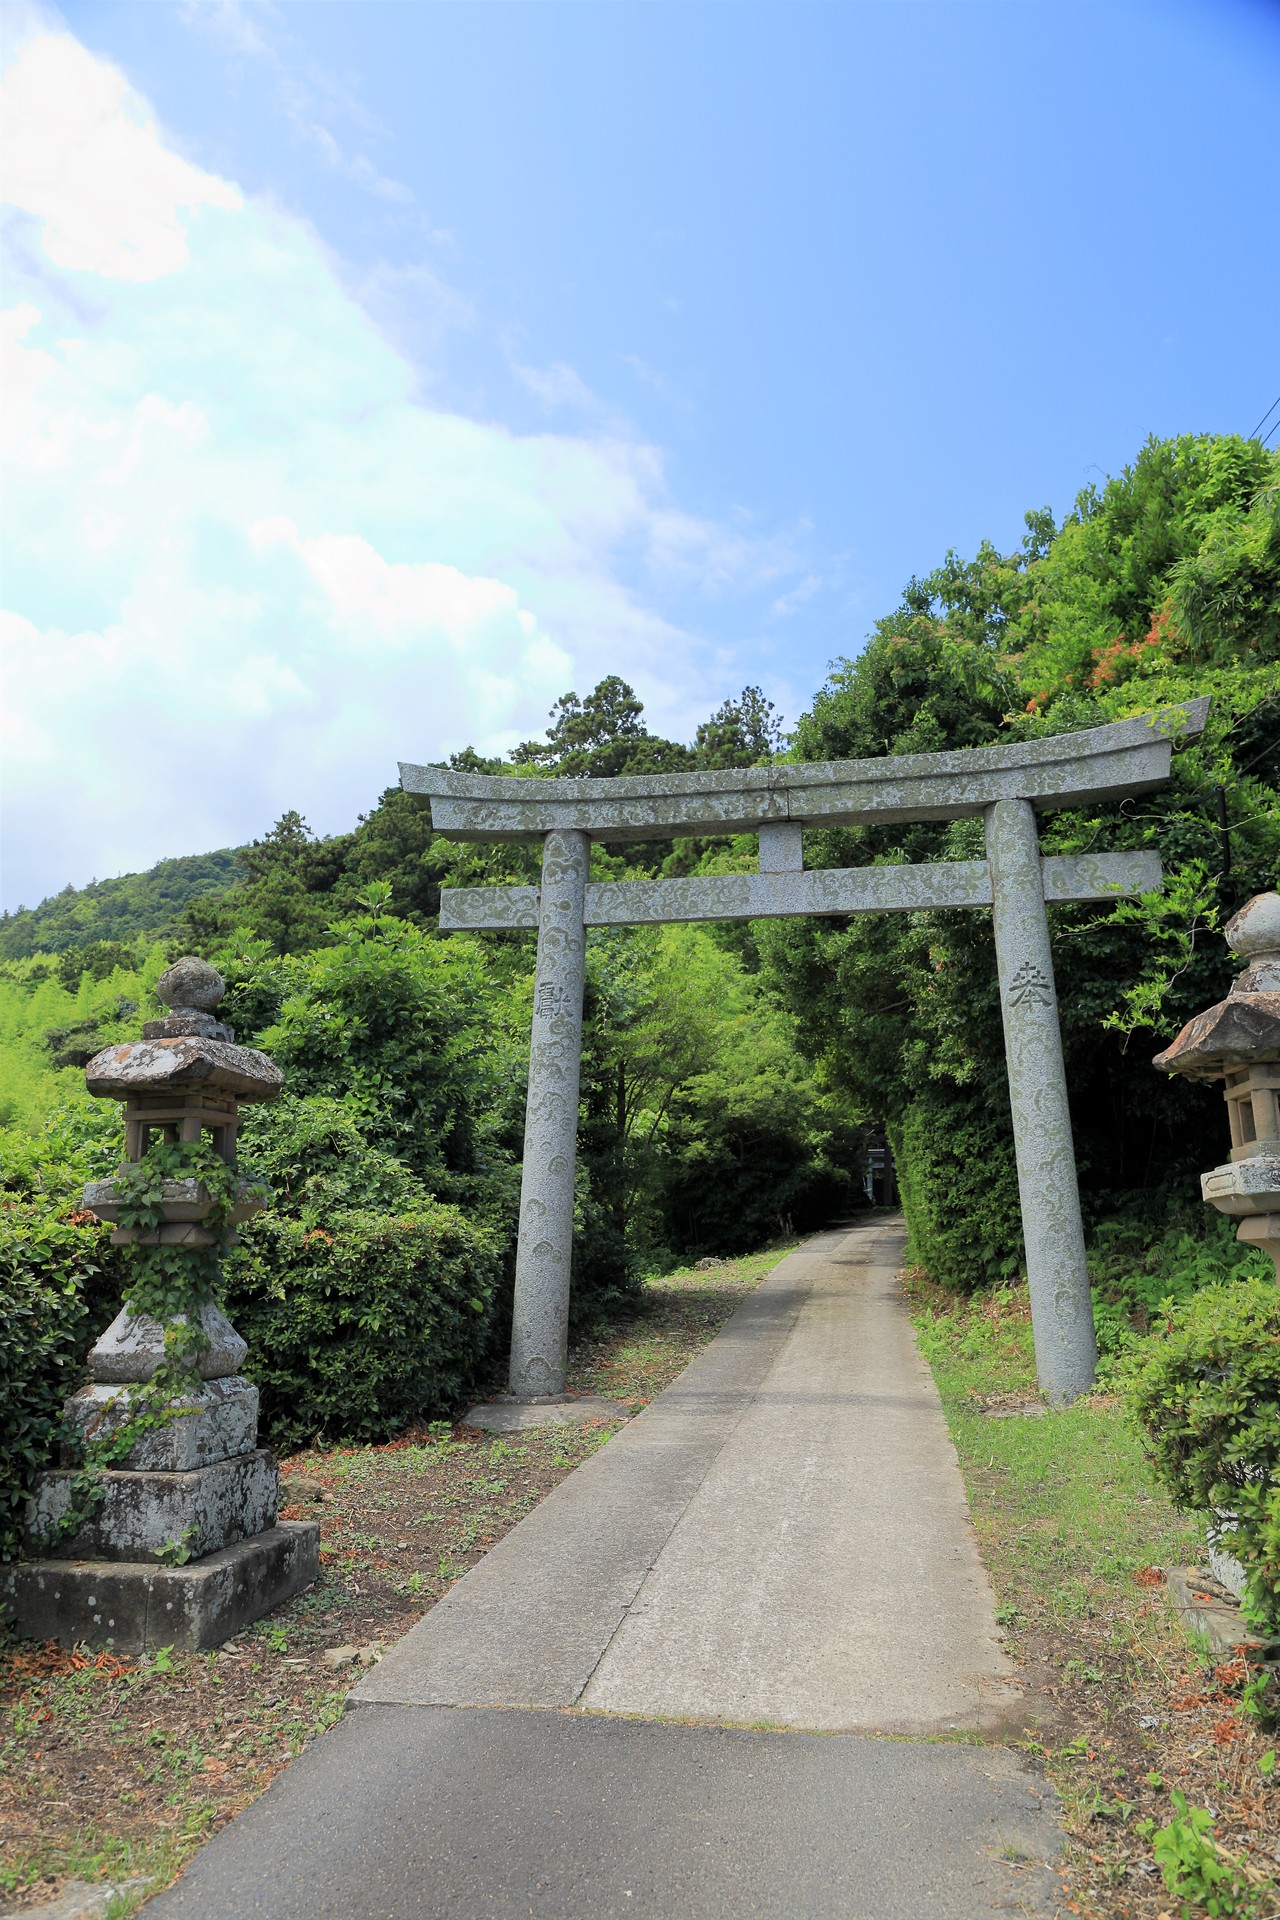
1130 1716
1065 1506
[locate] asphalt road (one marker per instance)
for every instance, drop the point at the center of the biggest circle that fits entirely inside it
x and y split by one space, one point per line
418 1813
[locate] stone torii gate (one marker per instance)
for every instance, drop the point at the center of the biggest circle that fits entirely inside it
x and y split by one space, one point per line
1004 784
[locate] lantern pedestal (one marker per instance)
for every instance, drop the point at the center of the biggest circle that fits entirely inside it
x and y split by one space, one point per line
215 1423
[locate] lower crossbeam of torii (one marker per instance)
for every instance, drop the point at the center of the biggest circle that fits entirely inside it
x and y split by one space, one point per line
1006 785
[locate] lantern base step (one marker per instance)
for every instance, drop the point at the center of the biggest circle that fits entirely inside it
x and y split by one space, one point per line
145 1516
133 1606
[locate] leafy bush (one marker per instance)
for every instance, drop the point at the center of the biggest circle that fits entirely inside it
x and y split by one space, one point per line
57 1291
959 1191
1194 1869
60 1285
406 1028
1205 1386
1147 1254
357 1327
753 1150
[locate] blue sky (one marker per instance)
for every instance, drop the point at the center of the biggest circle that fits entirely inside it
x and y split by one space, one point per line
377 372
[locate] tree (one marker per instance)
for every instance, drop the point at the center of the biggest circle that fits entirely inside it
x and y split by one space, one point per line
601 735
745 732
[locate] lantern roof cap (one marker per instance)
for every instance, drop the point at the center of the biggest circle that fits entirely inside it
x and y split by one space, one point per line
1241 1031
185 1064
1254 934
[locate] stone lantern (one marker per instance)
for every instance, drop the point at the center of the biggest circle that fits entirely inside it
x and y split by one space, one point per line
185 1547
1238 1042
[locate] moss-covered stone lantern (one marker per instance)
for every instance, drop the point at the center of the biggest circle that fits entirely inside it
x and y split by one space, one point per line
164 1530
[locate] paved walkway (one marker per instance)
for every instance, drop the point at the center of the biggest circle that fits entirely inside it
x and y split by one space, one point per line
780 1541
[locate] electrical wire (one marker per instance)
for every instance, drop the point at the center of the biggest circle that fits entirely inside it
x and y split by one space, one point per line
1266 416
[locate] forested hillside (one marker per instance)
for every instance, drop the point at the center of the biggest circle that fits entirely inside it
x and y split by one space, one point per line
117 910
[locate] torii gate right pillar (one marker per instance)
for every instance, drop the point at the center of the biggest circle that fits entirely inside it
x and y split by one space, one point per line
1053 1233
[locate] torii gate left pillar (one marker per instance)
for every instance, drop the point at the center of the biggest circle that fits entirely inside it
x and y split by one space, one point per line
544 1254
1005 785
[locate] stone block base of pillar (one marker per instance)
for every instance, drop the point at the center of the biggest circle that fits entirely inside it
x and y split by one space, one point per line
135 1606
509 1412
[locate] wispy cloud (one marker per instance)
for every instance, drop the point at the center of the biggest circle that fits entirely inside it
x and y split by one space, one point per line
656 382
559 386
239 26
309 100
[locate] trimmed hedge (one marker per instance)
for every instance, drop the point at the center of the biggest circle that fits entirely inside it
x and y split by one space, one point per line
360 1326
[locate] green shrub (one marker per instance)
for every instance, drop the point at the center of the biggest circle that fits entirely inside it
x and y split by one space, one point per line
959 1190
58 1285
1205 1386
1153 1251
357 1327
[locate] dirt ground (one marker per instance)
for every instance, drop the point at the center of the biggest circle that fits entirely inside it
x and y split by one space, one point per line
114 1767
1131 1724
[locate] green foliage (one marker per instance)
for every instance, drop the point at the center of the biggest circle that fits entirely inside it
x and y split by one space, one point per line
959 1187
1205 1387
601 735
745 732
54 1269
405 1028
1194 1870
315 1156
59 1286
49 1028
701 1121
361 1326
116 911
1162 586
1155 1249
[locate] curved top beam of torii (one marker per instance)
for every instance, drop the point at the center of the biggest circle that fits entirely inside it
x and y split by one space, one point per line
1063 770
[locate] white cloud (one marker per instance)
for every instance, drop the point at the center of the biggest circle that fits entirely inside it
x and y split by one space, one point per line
82 156
230 24
248 568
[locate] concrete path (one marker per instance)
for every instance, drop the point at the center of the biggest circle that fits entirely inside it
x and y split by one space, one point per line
779 1541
